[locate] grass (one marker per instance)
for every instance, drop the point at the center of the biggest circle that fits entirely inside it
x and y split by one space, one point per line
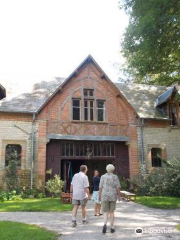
35 205
159 202
21 231
178 227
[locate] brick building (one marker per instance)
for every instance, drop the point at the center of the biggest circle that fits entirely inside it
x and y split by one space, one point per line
88 119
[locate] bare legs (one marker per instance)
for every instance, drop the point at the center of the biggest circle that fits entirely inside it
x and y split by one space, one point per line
105 217
112 219
74 212
97 209
83 213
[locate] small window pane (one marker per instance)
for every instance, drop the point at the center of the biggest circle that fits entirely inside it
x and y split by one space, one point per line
76 103
108 150
77 150
112 150
85 92
91 114
100 115
91 93
63 149
81 150
100 104
104 150
76 114
86 114
71 149
67 149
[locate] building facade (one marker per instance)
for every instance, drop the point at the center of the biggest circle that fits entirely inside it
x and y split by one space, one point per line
87 119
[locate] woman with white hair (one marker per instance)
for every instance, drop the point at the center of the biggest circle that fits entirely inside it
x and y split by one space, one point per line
109 192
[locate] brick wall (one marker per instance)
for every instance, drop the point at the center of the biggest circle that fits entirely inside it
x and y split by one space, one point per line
16 129
57 113
165 138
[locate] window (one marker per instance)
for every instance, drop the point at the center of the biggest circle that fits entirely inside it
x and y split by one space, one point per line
100 110
108 150
88 110
76 109
156 154
173 114
13 152
81 149
96 149
67 149
88 92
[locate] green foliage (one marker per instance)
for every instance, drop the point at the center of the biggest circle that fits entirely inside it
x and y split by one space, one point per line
11 176
21 231
32 193
124 183
55 185
9 196
151 43
161 181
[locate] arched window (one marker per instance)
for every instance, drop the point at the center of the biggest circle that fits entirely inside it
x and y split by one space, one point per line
13 152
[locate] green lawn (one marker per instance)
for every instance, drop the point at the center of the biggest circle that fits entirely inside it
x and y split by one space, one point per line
35 205
159 202
21 231
178 227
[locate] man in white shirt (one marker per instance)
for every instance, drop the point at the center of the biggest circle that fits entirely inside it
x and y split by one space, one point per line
80 193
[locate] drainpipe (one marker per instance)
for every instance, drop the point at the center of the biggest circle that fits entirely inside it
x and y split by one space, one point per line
32 149
142 148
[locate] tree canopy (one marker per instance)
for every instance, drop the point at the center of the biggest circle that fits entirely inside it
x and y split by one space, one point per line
151 42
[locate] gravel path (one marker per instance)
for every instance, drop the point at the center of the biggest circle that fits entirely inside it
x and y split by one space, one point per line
129 216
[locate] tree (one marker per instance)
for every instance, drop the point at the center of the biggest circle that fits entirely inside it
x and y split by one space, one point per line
151 42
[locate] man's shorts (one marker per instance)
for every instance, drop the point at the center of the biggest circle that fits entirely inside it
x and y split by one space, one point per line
80 202
109 206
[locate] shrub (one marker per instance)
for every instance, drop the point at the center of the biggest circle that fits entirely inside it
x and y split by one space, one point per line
55 185
124 183
11 177
9 196
32 193
161 181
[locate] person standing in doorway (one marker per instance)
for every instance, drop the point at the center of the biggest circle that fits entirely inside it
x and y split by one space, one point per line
95 196
80 194
109 192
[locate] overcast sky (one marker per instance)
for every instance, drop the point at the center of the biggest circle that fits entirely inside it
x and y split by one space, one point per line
51 38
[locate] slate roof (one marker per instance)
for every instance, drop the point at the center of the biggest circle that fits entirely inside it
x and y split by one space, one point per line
33 98
35 94
142 98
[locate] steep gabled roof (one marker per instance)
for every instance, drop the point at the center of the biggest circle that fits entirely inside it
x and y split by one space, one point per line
142 98
42 92
87 60
34 97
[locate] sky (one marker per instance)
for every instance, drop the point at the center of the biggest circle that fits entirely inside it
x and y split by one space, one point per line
52 37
